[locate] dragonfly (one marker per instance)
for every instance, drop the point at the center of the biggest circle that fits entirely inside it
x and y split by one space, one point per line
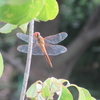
44 46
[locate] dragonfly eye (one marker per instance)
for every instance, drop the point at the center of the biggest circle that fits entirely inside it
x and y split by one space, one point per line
37 34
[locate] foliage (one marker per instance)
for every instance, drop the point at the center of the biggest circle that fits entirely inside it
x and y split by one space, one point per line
47 89
12 2
14 13
49 10
74 14
1 65
9 27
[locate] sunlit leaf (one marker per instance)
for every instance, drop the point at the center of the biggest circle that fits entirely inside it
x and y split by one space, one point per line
16 2
34 90
45 91
49 10
62 81
93 98
55 87
81 93
20 14
48 82
24 27
87 94
12 2
7 28
53 84
65 94
1 65
39 97
2 2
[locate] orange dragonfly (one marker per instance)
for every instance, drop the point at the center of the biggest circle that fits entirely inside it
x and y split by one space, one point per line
44 46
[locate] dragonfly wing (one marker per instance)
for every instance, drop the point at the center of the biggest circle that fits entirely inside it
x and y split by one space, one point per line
36 50
23 48
55 49
24 37
54 39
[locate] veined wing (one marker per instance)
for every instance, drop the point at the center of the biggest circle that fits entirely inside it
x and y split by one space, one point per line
36 50
54 50
24 37
54 39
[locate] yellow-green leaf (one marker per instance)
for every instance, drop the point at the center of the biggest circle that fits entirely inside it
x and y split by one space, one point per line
45 91
1 65
65 94
49 10
87 94
34 90
20 14
7 28
23 27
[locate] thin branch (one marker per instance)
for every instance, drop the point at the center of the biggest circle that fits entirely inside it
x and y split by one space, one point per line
28 62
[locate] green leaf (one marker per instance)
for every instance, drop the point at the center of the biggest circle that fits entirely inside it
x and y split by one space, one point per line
64 81
2 2
16 2
93 98
12 2
13 12
65 94
7 28
20 14
49 10
87 94
1 65
55 87
48 82
34 90
23 27
53 84
45 91
81 93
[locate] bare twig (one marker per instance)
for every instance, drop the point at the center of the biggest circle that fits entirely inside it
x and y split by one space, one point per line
28 62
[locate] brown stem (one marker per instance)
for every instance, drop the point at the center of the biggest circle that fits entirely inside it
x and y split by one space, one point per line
28 62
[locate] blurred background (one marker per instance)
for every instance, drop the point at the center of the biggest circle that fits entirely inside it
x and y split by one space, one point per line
80 64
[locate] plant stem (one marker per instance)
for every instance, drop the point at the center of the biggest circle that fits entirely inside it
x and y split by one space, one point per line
28 62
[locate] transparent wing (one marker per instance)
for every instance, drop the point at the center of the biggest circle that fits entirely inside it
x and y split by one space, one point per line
52 50
55 49
36 50
24 37
54 39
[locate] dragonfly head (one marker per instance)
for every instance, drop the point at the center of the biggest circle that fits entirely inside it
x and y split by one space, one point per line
37 34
